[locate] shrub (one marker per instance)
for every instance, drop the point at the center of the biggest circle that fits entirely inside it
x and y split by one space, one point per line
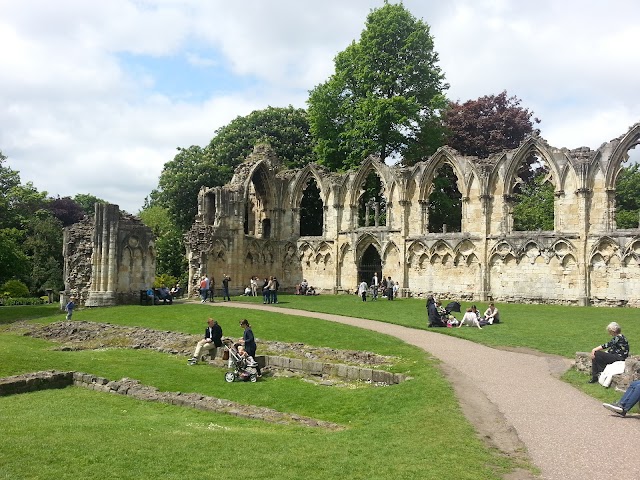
14 288
10 301
164 279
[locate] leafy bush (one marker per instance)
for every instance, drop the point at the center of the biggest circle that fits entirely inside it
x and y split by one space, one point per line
164 279
10 301
14 288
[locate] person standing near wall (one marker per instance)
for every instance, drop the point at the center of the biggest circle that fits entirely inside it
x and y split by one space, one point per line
274 289
254 286
212 288
225 287
389 288
374 286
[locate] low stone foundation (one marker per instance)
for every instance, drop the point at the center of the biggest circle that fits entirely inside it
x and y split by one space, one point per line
619 382
320 369
133 388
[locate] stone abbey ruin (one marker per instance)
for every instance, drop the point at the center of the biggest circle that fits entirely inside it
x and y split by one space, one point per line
258 224
322 226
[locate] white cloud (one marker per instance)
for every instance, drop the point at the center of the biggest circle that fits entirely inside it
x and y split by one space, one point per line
75 118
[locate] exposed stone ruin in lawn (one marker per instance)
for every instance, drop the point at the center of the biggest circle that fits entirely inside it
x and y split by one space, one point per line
319 225
326 366
108 258
54 379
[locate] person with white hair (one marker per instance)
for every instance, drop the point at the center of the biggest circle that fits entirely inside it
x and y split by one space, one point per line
615 350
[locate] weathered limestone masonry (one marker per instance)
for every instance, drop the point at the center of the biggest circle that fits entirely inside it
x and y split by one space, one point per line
251 226
108 258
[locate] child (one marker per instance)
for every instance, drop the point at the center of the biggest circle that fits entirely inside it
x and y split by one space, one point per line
69 307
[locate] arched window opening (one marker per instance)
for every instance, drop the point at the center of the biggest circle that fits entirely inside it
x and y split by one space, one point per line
445 202
372 204
209 208
257 206
311 211
266 228
533 196
370 263
628 189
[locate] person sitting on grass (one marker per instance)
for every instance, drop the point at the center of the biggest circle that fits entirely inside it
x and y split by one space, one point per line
617 349
491 315
470 318
628 400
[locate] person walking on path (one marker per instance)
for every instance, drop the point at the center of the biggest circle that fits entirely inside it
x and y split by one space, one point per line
615 350
249 341
210 343
69 307
225 287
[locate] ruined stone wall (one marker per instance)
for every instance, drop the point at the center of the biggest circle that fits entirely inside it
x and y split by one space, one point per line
251 226
109 258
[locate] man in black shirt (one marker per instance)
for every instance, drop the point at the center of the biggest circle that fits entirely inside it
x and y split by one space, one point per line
210 343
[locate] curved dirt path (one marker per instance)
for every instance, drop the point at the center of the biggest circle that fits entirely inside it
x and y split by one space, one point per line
567 434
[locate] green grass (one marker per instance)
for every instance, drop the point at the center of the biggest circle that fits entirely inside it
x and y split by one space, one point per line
411 430
555 329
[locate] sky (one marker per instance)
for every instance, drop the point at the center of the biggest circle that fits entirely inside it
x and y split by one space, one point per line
95 96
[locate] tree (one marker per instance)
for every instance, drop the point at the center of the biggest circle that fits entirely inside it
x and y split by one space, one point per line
13 261
65 209
286 130
384 95
627 200
490 124
43 245
533 209
88 203
170 248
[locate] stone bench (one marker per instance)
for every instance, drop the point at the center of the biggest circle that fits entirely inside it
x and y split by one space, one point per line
619 382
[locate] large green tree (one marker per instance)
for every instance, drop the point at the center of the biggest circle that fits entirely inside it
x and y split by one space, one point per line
384 96
487 125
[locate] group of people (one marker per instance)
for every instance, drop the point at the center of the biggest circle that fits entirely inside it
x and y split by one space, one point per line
439 316
303 288
386 287
207 288
213 340
270 288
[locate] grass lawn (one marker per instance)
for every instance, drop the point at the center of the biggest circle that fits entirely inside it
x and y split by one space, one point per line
555 329
411 430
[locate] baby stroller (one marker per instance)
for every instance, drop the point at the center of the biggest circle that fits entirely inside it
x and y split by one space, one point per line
244 367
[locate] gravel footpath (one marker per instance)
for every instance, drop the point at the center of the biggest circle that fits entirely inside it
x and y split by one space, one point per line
568 435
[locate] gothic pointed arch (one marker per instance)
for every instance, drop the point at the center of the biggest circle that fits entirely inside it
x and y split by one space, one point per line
363 243
620 154
369 165
532 145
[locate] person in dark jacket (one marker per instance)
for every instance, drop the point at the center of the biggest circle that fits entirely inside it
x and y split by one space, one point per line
432 312
210 343
225 287
615 350
249 341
